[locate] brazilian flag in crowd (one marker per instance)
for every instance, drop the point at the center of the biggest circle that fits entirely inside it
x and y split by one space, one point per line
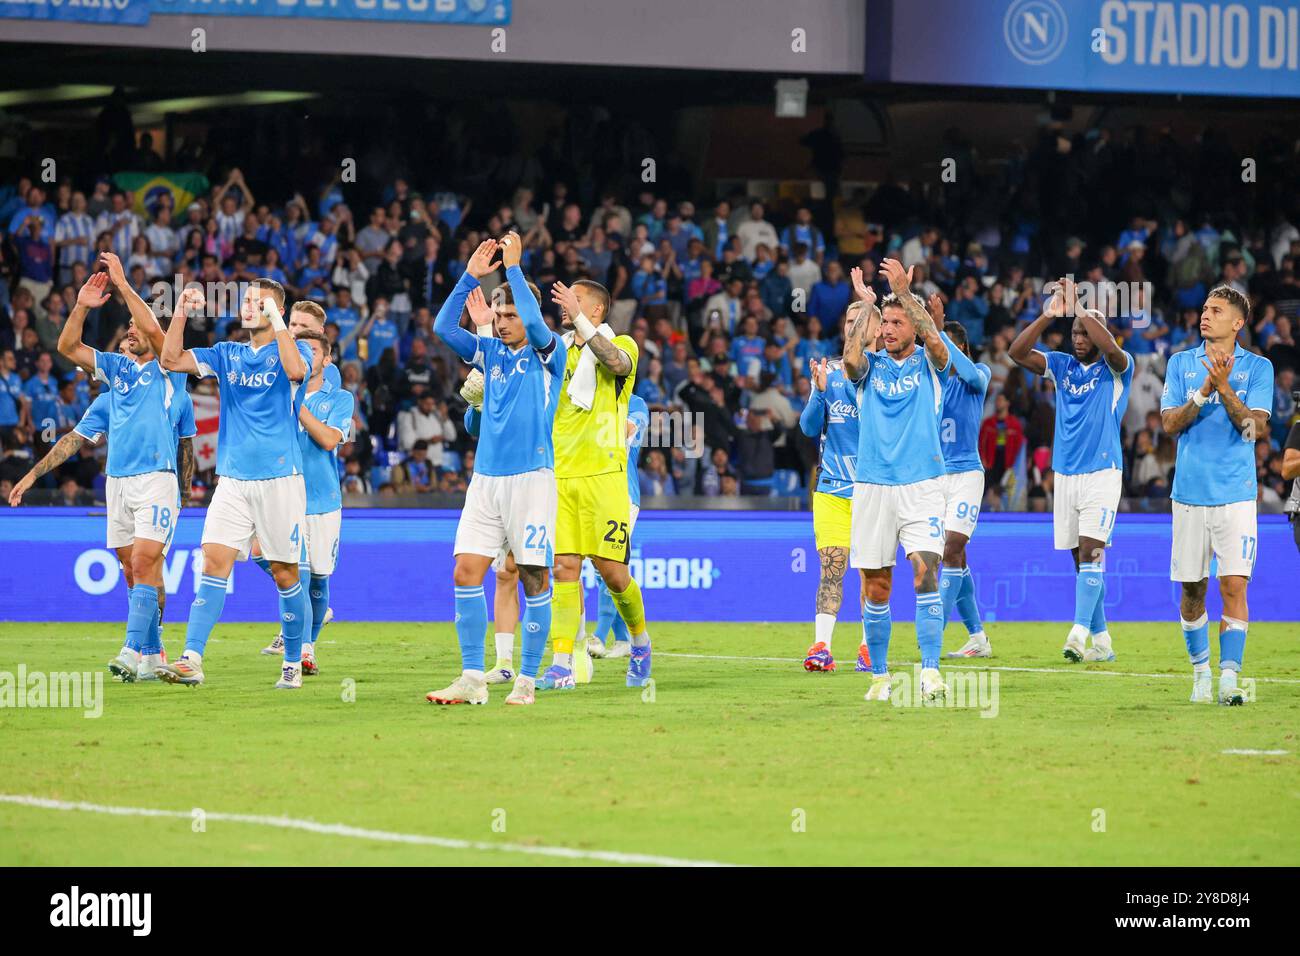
149 189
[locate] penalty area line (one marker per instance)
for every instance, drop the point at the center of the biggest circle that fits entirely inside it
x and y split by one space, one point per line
344 830
1074 672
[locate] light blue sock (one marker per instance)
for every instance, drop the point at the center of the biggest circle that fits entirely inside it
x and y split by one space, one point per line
141 616
294 608
126 641
537 631
1088 584
1232 644
876 625
205 612
929 627
606 612
966 604
264 564
153 637
471 626
1099 611
950 582
319 590
1196 634
304 579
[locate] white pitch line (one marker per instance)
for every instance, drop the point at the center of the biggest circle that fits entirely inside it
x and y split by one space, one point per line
342 829
977 667
1254 753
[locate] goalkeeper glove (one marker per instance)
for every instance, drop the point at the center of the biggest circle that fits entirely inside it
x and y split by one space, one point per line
472 390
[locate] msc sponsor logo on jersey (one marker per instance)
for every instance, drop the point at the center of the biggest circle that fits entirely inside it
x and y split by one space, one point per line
899 386
1081 388
253 380
122 386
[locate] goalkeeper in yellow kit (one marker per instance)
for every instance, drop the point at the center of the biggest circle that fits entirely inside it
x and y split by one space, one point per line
593 518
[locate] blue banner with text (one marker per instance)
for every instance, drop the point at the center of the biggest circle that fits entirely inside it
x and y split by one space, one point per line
692 566
1243 48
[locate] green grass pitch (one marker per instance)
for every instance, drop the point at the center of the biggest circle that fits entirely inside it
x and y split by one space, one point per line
741 757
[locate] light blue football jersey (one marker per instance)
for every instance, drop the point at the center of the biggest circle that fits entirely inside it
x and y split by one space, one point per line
320 468
964 389
1090 404
520 386
1215 464
183 416
332 376
257 433
140 414
899 405
639 414
833 415
94 424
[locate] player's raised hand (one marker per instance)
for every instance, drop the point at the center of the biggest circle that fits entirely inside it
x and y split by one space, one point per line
114 266
191 302
95 292
566 299
480 313
480 263
818 369
512 249
900 279
1055 304
860 289
935 307
1219 368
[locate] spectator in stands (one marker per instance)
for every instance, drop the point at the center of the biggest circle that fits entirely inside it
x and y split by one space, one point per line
1001 438
754 230
831 296
654 475
428 422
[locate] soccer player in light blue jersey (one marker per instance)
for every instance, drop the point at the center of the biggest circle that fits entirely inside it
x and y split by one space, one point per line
304 316
831 416
325 422
511 501
261 493
607 616
145 409
1092 386
897 492
1217 398
964 389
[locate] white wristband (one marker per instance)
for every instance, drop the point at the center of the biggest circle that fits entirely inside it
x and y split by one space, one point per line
582 325
1199 399
273 315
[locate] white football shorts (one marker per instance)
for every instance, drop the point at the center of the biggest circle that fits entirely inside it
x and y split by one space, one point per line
1085 506
1227 532
885 516
963 493
323 533
142 506
274 510
513 513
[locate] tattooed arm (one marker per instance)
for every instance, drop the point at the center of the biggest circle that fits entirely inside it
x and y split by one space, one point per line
65 448
900 283
610 355
862 339
185 458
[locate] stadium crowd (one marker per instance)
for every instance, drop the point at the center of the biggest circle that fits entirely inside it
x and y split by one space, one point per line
728 299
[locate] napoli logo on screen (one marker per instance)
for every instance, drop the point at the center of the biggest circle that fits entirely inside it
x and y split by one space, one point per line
1035 30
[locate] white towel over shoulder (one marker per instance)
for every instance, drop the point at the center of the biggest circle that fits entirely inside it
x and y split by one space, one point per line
582 387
